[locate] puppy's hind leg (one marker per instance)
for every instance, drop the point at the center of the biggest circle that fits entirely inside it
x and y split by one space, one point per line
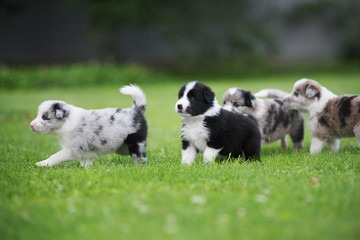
138 152
63 155
251 151
357 133
297 136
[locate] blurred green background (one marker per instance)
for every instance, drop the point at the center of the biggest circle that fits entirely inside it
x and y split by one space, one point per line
173 34
82 51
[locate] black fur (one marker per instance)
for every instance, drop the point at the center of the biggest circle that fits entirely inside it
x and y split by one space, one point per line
345 109
185 144
236 134
323 121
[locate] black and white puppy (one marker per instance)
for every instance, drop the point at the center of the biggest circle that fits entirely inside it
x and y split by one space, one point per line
330 116
87 134
275 119
210 129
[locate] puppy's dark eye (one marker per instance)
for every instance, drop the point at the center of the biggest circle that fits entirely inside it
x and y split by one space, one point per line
236 105
45 117
296 93
192 98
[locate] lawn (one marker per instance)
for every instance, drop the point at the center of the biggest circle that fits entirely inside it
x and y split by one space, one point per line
115 199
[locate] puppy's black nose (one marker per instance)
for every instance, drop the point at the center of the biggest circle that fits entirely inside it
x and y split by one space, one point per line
179 106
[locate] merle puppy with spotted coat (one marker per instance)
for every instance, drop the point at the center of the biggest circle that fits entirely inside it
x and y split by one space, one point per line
87 134
210 129
275 119
330 116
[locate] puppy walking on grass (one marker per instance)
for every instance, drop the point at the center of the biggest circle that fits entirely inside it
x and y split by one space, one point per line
87 134
330 116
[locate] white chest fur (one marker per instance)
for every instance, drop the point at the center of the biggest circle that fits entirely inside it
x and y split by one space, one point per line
195 132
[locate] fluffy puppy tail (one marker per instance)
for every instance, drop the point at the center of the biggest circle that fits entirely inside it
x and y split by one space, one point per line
137 94
271 93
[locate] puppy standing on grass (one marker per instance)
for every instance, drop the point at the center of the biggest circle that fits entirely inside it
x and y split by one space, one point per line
87 134
275 119
330 117
212 130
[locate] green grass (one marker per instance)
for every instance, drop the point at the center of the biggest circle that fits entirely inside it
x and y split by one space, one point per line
115 199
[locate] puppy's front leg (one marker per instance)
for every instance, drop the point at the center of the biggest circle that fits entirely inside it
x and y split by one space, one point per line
210 154
316 145
357 133
283 142
62 156
86 163
188 153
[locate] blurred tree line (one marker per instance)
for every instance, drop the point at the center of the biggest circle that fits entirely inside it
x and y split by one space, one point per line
213 30
201 30
343 16
205 30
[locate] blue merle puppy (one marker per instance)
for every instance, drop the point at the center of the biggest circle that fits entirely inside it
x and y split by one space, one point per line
87 134
276 120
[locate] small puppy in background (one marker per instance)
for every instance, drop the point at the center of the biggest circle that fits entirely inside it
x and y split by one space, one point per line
87 134
208 128
274 118
330 116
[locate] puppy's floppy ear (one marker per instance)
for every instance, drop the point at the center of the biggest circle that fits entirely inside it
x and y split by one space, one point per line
311 91
60 111
209 95
250 100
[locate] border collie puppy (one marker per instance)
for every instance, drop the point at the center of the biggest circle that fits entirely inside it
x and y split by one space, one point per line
330 117
275 119
210 129
87 134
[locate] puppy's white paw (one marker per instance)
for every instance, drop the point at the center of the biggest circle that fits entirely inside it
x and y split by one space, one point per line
42 164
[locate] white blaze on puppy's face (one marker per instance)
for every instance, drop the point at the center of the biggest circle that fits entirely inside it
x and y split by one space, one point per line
183 103
51 116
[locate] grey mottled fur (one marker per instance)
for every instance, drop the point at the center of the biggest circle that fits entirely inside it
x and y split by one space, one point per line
274 118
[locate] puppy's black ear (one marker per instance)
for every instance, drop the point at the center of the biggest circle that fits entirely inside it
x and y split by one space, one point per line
250 100
209 95
60 111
